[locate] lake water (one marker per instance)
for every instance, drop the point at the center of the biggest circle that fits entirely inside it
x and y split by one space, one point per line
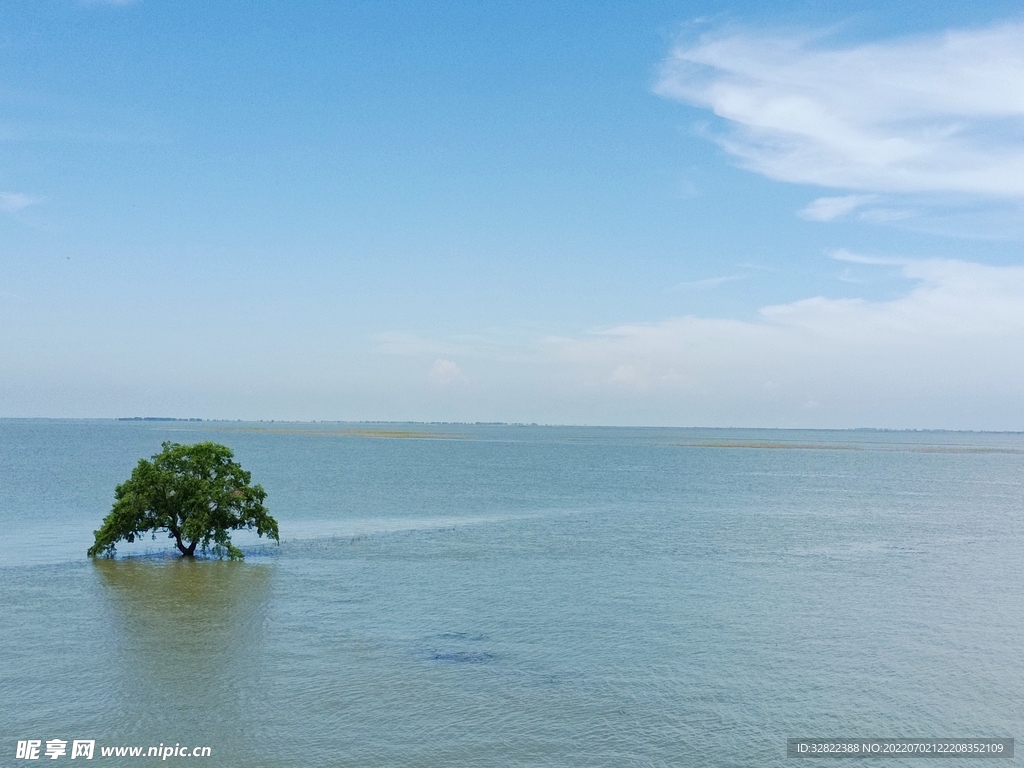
520 596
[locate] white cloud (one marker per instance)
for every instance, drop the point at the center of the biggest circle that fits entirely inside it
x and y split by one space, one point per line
953 301
830 208
445 372
12 202
961 329
937 114
949 352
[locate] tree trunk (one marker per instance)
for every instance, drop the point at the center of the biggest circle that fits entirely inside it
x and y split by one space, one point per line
190 550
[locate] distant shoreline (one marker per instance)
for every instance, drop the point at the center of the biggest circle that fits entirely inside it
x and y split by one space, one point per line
153 418
362 424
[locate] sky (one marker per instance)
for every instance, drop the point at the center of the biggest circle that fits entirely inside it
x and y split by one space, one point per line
795 214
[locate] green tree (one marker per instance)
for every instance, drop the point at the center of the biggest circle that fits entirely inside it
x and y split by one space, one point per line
196 493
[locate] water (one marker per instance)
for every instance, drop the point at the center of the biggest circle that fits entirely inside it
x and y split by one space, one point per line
521 596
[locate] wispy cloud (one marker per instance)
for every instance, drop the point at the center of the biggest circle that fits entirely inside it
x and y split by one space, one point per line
936 114
841 254
831 208
12 202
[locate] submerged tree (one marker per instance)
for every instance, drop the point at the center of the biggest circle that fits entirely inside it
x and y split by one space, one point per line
196 493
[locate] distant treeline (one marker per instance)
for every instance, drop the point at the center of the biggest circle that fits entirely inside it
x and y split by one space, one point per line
153 418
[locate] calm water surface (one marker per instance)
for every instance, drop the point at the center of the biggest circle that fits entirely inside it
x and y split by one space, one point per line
521 596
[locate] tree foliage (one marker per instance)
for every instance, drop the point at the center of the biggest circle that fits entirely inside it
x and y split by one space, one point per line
196 493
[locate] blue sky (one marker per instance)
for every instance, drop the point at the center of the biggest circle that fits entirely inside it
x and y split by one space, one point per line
605 213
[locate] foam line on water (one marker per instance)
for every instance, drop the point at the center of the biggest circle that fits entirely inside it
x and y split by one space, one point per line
308 530
68 544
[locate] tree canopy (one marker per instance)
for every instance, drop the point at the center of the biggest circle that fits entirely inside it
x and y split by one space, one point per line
197 493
